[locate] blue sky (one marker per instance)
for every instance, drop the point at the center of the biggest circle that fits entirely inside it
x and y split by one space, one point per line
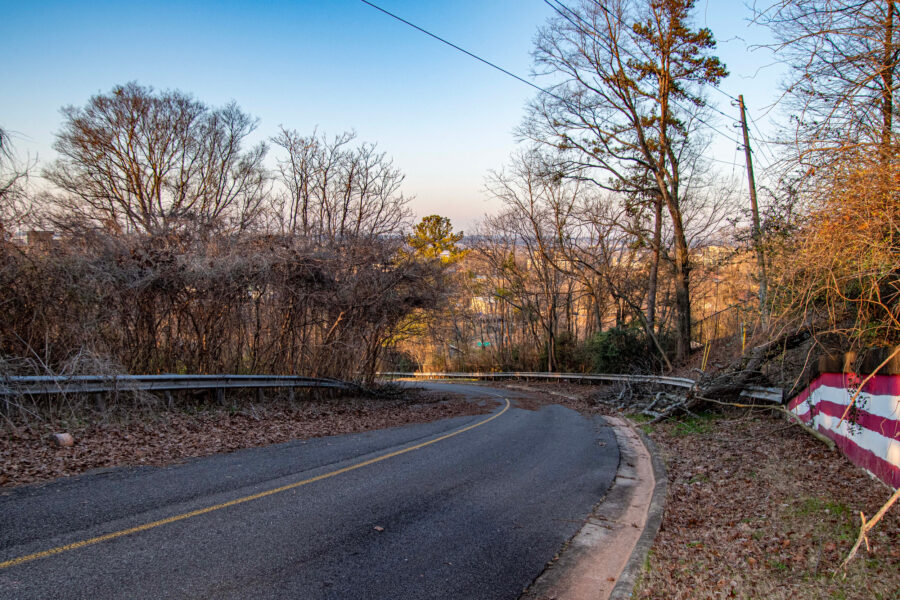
445 118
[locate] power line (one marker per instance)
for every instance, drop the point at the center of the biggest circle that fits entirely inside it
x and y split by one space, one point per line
726 115
463 50
734 162
760 139
764 150
717 130
765 143
724 93
564 16
521 79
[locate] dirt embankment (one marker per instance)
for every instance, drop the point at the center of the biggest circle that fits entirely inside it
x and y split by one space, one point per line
758 509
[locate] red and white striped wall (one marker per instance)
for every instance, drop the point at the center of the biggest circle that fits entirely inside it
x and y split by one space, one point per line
870 435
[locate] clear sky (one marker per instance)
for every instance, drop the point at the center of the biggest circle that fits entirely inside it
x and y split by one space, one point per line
445 118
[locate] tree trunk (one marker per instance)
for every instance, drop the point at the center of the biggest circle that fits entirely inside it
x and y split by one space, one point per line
654 266
682 287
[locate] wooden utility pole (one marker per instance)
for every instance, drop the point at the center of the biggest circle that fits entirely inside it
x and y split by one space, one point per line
754 211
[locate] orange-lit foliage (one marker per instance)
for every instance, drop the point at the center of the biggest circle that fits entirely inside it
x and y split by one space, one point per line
844 270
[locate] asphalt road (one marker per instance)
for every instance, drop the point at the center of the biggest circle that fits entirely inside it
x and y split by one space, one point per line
409 512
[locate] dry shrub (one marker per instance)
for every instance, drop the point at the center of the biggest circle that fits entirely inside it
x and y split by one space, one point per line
238 303
841 272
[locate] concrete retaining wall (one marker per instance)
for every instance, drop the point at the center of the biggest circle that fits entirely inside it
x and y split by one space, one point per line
870 435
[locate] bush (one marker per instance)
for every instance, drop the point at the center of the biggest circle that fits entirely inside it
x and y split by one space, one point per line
615 350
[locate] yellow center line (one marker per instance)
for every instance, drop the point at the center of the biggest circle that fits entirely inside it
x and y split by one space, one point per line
202 511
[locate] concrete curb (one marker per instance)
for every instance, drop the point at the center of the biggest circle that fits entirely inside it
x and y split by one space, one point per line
603 560
628 578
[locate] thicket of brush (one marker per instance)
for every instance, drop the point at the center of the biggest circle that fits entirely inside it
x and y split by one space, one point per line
231 304
164 246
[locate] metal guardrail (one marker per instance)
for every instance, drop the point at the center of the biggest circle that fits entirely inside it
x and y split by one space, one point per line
87 384
775 395
683 382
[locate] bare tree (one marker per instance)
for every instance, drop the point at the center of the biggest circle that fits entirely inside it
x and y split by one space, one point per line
843 57
13 176
337 189
166 261
522 278
533 221
136 160
632 74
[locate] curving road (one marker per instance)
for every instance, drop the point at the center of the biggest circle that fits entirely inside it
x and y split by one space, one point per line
469 508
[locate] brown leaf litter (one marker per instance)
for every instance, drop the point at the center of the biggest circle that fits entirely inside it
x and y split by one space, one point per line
28 453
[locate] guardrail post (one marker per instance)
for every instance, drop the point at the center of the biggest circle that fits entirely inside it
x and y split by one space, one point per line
220 396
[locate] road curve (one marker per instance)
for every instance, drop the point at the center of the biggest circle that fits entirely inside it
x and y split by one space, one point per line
469 508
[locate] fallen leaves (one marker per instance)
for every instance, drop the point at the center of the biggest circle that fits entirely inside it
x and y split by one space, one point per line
27 457
757 511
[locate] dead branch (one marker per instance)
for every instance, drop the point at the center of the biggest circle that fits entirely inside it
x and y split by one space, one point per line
684 405
867 526
863 383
